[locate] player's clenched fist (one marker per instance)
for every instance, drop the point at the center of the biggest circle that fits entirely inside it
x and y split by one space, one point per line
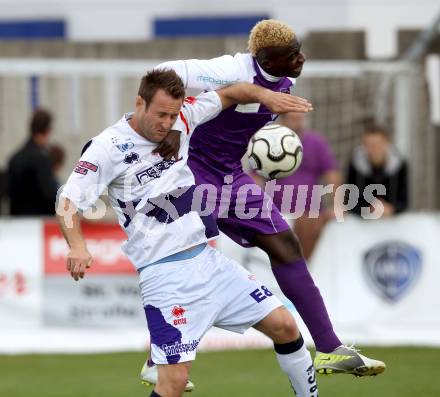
78 260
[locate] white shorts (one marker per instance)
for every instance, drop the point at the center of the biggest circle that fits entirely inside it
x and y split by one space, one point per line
183 299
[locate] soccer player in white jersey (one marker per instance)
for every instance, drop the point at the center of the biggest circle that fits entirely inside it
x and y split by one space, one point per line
186 286
274 61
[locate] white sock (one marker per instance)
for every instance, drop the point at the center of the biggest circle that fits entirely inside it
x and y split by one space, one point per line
298 366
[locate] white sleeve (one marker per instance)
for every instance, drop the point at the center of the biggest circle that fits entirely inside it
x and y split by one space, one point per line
90 177
207 74
200 109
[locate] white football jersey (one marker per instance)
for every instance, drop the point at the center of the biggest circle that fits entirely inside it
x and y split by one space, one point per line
152 197
215 73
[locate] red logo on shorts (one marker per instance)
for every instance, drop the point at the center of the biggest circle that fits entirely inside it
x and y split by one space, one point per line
178 312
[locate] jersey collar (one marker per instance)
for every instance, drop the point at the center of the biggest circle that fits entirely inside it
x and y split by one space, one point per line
267 76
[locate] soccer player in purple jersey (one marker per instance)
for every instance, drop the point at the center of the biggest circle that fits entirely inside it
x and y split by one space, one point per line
216 150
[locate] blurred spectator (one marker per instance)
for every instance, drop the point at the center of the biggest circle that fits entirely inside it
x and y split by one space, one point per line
32 186
318 166
377 161
57 155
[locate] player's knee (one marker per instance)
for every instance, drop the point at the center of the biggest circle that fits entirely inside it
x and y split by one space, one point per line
284 329
286 248
295 246
288 330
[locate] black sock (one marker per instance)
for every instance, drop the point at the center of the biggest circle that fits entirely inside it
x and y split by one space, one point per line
291 347
154 394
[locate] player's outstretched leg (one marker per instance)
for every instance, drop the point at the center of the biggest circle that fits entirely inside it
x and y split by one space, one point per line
291 352
295 281
150 374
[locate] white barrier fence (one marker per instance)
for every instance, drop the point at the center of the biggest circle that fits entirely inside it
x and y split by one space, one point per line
378 278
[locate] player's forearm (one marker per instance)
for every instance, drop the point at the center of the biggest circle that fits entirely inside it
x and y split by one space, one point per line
69 221
243 93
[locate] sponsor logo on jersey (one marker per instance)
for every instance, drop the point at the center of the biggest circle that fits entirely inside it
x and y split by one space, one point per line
80 170
211 79
153 172
260 294
123 147
88 165
178 312
177 348
392 269
82 167
131 158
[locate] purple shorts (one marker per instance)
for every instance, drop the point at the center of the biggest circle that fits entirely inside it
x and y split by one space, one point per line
241 208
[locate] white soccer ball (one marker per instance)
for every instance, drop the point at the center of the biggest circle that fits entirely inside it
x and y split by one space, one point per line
275 151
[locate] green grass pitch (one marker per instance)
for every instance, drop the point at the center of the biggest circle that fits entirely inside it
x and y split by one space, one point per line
411 372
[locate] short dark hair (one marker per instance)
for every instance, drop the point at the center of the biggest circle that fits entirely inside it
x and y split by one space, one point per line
161 79
40 122
373 128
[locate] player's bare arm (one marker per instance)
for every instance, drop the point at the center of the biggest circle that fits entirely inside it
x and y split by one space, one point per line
276 102
78 258
242 93
280 103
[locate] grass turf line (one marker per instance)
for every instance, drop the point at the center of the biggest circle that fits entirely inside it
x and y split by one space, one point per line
411 372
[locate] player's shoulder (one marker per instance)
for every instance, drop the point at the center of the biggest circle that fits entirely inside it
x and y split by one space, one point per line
239 58
106 141
314 135
201 101
289 83
199 109
203 97
247 66
244 58
240 65
315 138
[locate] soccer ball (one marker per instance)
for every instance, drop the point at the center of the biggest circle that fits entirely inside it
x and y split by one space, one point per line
275 151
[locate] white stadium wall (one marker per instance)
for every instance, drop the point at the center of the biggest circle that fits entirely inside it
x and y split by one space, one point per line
128 20
378 278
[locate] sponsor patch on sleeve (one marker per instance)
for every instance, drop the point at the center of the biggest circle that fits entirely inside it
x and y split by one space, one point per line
80 170
82 167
